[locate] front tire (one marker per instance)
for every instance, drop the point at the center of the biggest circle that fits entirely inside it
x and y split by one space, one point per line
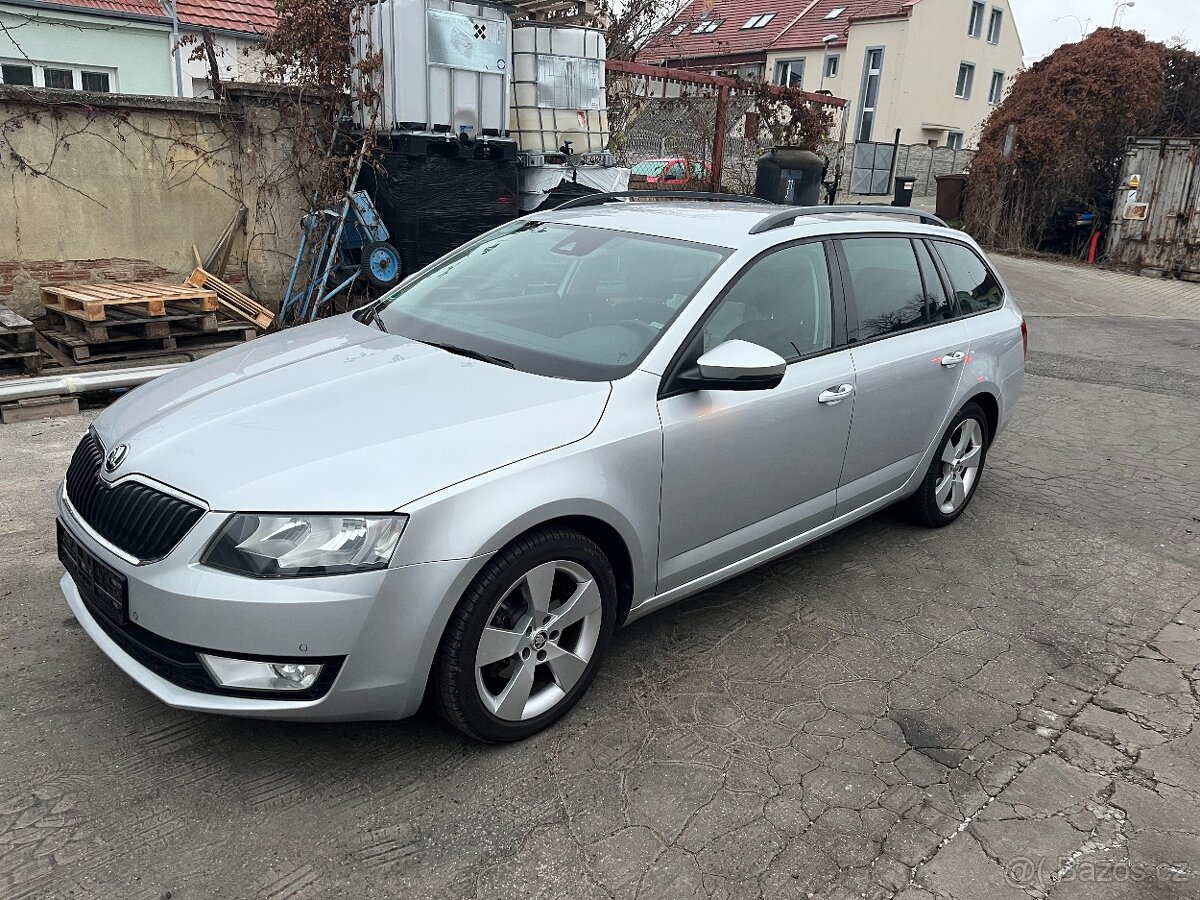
527 638
955 471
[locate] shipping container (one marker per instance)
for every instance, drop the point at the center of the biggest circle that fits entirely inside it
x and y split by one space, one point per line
558 91
446 66
1156 216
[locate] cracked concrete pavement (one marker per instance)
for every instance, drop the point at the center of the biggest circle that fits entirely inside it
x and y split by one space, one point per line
1005 708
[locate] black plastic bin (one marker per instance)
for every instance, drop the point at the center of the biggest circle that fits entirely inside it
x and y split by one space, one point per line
439 197
904 190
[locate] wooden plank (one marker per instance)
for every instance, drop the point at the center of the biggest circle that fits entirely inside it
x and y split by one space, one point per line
30 361
90 303
232 299
53 352
35 409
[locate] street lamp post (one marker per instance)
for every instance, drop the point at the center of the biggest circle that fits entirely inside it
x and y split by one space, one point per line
826 41
1119 8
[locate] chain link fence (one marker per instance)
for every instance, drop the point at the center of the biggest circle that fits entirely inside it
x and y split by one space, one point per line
673 114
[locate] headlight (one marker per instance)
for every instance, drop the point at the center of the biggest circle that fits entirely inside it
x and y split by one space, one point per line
274 546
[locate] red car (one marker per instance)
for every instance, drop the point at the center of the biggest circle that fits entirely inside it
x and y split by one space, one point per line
671 171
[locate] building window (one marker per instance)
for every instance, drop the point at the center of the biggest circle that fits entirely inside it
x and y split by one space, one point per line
954 140
790 73
759 21
831 66
13 73
835 12
996 92
63 77
966 81
975 26
679 29
872 73
708 26
59 78
995 23
96 81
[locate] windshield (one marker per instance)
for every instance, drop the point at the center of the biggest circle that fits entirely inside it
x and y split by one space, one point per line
652 167
561 300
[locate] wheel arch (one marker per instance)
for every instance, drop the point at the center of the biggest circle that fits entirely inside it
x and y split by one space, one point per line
600 524
989 402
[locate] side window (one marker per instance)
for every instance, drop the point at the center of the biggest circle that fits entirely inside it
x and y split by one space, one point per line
886 284
940 307
974 284
676 171
781 302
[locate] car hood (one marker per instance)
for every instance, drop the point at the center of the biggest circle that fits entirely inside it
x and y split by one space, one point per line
337 416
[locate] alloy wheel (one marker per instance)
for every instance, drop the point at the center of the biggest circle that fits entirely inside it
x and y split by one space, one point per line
961 458
538 640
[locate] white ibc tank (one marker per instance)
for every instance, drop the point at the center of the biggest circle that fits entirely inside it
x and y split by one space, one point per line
445 65
558 88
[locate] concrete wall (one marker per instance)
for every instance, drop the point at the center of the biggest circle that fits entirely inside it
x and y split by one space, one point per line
139 52
122 188
917 161
922 55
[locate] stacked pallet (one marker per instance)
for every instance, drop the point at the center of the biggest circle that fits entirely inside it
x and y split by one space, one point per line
18 344
103 322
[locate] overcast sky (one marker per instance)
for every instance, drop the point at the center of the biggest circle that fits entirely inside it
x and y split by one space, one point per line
1159 19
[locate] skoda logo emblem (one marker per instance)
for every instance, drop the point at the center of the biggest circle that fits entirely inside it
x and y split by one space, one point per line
115 457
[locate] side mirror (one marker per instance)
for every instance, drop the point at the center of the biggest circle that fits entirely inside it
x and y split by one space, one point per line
737 366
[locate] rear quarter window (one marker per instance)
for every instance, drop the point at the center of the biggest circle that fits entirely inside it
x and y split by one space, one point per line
974 284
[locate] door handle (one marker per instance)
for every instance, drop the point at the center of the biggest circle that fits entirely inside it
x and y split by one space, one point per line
836 395
950 360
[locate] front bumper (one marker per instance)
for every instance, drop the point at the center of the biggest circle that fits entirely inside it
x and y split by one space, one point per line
379 630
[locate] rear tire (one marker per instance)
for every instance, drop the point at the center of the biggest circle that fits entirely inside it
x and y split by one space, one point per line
955 471
527 637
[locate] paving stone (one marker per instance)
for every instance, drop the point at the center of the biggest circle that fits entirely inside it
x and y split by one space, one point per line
1050 786
1116 729
963 871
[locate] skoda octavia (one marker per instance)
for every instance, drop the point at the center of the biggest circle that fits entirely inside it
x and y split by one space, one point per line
457 493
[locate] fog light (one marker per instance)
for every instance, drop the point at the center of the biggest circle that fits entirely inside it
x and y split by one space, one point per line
248 675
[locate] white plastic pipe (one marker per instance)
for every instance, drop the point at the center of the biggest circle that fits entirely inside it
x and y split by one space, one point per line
54 385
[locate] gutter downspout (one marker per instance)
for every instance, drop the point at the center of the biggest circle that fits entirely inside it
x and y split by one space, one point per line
175 48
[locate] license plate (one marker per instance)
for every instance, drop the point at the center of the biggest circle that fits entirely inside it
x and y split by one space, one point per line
104 588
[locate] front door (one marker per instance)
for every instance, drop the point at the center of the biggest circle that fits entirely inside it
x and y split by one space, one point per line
744 471
909 354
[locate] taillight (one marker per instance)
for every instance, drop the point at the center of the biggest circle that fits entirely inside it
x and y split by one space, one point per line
1025 336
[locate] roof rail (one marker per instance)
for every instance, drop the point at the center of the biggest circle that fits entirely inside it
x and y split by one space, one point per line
601 198
788 216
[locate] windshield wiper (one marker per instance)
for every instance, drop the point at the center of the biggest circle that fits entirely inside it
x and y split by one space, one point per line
471 354
370 316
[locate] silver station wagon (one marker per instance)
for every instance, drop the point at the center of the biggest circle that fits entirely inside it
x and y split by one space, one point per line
457 493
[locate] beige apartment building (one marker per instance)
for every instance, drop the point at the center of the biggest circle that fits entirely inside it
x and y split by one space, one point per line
933 69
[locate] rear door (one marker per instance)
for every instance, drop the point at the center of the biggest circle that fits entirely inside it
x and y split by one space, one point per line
909 351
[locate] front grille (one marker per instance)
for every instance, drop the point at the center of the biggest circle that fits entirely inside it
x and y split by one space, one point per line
142 521
178 663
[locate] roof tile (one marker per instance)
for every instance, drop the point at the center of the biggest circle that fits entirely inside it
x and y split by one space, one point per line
798 24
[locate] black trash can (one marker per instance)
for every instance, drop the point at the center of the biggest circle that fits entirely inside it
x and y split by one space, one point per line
904 190
791 176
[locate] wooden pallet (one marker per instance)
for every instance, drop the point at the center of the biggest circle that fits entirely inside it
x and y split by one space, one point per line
91 302
123 324
226 334
18 342
232 299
